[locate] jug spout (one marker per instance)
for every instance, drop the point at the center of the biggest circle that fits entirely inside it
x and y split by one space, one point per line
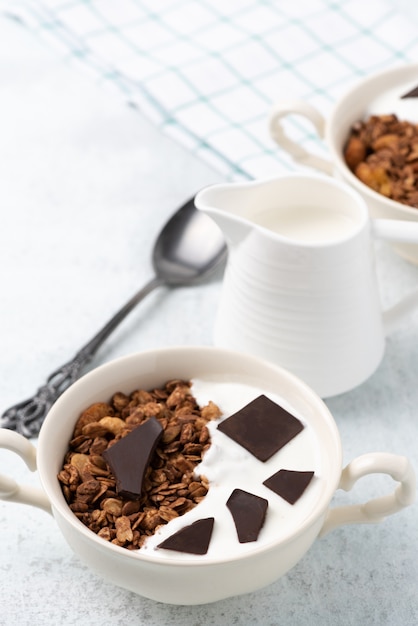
225 204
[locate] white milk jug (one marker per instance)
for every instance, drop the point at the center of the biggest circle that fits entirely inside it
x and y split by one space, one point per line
300 287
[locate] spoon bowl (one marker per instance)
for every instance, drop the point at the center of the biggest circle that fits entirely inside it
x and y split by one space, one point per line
188 249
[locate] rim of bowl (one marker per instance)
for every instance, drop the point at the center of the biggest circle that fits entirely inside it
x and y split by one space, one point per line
53 491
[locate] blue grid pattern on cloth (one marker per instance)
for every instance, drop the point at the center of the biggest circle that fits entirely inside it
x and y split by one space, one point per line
208 71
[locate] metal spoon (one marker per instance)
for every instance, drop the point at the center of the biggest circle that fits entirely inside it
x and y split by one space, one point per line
189 248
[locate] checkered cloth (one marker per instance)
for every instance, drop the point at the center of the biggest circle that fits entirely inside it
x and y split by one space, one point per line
208 71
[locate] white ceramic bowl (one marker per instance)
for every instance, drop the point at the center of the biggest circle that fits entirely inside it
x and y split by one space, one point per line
353 106
178 580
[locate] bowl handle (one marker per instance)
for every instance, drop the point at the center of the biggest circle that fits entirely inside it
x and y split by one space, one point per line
11 490
373 511
284 108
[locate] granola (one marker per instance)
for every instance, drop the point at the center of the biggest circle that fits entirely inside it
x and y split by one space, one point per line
382 152
170 486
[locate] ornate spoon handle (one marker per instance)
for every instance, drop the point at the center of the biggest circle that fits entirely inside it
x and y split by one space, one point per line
27 416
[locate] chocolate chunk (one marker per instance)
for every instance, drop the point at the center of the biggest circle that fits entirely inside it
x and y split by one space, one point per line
130 456
249 513
262 427
193 539
411 94
289 484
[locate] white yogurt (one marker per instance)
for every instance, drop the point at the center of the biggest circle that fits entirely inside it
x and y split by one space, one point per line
228 466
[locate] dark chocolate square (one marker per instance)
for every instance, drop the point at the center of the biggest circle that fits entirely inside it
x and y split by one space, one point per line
194 538
249 512
262 427
129 457
411 94
289 484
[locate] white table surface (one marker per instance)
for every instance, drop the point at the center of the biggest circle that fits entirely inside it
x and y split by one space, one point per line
85 184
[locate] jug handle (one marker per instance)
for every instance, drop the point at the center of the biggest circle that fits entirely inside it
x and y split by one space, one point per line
375 510
282 109
397 231
12 491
